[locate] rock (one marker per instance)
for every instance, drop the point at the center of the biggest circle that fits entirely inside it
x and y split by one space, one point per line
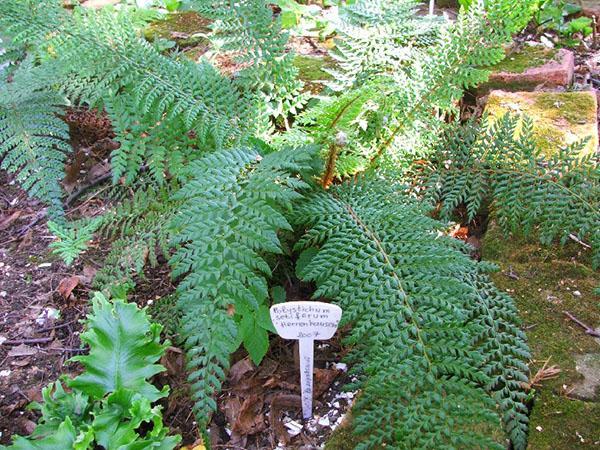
532 67
587 365
559 118
187 29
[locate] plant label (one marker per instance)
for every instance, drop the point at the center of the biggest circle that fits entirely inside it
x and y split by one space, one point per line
307 322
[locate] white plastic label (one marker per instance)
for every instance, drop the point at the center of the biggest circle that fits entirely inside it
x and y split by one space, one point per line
307 322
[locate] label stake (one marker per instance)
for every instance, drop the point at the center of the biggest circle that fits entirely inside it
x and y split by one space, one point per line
307 322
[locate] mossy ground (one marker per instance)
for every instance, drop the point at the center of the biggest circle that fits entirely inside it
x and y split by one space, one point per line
559 118
544 281
311 71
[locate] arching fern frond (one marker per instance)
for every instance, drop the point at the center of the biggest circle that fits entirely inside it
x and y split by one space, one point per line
433 341
232 208
498 166
34 143
251 34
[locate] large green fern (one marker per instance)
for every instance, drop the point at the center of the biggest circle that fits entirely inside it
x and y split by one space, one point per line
431 338
232 208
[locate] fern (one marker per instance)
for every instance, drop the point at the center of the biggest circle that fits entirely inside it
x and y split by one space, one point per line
72 239
430 335
232 209
33 144
492 165
247 30
95 56
416 69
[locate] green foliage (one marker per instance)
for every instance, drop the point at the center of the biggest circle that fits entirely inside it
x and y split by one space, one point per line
71 240
436 346
484 165
248 31
33 143
110 404
431 337
400 75
139 226
241 197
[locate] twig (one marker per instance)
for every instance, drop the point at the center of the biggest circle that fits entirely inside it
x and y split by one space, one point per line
101 179
589 330
55 327
579 241
28 341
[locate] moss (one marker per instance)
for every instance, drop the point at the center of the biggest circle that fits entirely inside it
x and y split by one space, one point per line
524 59
577 109
185 28
564 423
559 119
542 281
343 438
311 71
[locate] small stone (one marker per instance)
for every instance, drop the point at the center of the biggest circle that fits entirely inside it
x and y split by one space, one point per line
2 340
294 428
577 293
4 373
341 366
539 428
546 42
3 294
324 421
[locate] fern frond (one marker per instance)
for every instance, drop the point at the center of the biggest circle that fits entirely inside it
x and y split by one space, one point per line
496 166
95 55
247 30
34 143
423 334
140 229
232 208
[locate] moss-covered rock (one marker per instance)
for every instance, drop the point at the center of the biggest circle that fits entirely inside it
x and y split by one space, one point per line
525 58
559 118
545 282
188 29
528 67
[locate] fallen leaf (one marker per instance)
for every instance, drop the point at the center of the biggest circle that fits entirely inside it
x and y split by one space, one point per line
21 350
26 241
28 426
323 379
89 272
66 286
23 362
239 369
250 420
7 221
232 409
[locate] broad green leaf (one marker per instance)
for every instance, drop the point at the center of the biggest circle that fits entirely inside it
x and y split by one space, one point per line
124 347
254 337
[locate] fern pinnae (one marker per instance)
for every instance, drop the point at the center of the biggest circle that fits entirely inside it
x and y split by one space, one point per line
232 208
415 319
34 142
